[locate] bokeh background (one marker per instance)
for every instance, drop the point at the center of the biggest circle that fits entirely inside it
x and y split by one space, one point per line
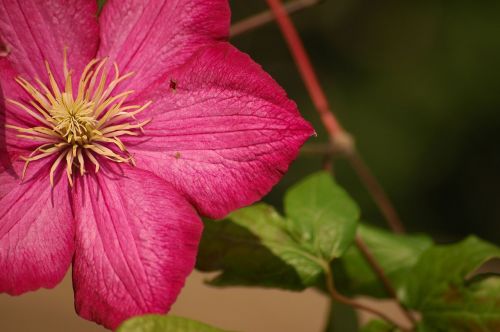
416 83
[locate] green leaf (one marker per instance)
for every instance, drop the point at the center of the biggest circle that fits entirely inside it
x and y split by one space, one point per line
396 254
256 246
468 308
323 216
253 248
443 288
443 266
159 323
378 326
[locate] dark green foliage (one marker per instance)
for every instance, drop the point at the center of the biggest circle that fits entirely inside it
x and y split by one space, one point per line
256 246
444 289
396 254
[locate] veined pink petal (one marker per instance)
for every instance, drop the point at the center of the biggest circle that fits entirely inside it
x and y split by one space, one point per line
225 135
10 114
151 38
136 241
36 229
37 30
5 161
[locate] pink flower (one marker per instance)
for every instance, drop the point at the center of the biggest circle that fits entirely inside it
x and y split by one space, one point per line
117 132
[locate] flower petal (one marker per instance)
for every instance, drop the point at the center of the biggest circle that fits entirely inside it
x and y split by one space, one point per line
150 38
225 135
37 30
12 115
5 161
36 229
136 243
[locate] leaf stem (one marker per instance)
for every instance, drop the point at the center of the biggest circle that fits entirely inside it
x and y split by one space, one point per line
258 20
372 261
355 304
340 139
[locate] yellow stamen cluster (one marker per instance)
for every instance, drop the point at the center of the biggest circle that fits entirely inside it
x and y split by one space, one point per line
83 126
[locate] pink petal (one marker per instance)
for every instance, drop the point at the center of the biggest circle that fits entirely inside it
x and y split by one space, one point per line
225 136
37 30
136 240
10 88
5 161
150 38
36 229
10 114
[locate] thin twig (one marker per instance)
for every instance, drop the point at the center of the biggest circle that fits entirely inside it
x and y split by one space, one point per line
258 20
339 138
372 261
376 191
305 67
367 178
355 304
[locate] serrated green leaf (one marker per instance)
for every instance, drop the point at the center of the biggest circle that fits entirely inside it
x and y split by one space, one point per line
159 323
256 246
471 308
253 248
323 216
396 254
443 266
440 287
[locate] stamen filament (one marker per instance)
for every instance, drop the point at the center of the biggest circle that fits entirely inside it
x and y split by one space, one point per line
81 123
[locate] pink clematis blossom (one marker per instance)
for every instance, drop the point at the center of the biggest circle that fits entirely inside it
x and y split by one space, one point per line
117 132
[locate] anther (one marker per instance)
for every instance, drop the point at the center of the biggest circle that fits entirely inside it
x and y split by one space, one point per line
80 127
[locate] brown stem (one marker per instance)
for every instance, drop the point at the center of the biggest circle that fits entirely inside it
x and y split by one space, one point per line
258 20
371 260
376 191
305 67
341 140
365 175
355 304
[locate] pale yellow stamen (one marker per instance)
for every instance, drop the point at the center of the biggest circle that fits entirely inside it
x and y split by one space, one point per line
83 126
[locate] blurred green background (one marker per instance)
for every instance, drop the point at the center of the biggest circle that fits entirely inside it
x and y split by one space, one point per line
416 83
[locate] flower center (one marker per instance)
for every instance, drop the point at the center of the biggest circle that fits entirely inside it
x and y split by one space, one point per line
76 120
79 124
